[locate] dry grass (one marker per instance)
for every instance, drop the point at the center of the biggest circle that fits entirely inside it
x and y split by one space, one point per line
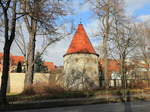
43 89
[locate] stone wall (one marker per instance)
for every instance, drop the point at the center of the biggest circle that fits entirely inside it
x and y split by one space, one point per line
16 81
81 71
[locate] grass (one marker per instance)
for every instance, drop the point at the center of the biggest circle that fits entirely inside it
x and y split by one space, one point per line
45 91
20 97
51 91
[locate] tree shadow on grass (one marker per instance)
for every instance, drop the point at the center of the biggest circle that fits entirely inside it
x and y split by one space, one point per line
127 104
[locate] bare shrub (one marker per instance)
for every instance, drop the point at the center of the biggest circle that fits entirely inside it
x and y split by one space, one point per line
52 88
138 84
50 91
29 91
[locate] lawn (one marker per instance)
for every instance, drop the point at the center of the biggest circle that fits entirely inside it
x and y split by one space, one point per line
110 95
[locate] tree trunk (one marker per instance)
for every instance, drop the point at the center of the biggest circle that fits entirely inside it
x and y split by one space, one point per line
105 50
106 25
148 79
8 42
5 74
123 73
30 61
105 62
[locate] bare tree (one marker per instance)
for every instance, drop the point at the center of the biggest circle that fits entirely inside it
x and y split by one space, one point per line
40 20
143 36
21 40
9 35
124 42
106 10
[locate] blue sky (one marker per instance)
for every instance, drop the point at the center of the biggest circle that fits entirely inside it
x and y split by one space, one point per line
139 9
145 10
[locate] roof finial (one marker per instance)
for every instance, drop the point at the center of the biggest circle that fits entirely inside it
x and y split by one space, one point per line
80 21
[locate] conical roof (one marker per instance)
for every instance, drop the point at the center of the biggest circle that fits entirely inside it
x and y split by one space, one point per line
80 43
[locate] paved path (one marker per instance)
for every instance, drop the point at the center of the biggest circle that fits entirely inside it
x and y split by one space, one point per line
114 107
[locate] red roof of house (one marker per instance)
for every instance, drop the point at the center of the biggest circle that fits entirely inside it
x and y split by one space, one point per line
113 65
1 55
50 66
80 42
17 59
140 64
14 59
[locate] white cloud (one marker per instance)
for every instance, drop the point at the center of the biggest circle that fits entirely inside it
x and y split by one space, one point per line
80 6
133 5
92 27
144 18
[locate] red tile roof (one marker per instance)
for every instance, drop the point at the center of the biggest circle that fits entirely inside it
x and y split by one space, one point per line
50 66
113 65
140 64
1 56
14 59
80 42
17 59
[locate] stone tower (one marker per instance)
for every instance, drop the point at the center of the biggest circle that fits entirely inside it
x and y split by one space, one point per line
81 70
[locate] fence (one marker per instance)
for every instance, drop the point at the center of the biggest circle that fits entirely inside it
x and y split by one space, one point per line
130 83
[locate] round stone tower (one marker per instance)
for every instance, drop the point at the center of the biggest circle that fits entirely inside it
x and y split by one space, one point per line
81 70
